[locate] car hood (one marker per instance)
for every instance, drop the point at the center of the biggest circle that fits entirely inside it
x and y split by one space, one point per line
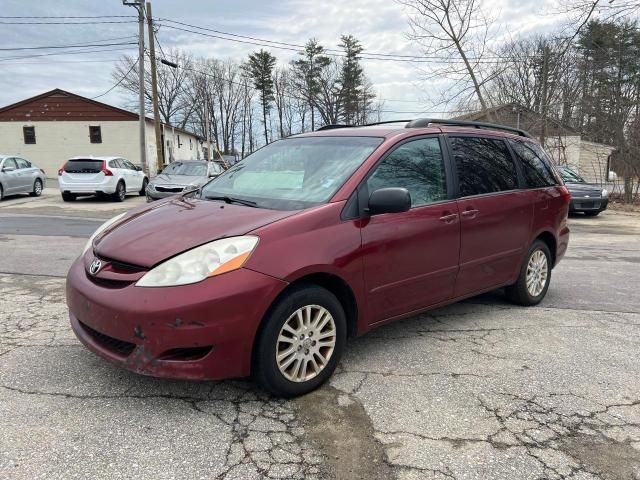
165 179
582 189
150 234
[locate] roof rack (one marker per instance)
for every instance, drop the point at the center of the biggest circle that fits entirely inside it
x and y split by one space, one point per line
333 126
425 122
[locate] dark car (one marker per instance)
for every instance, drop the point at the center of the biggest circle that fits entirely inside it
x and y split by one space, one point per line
271 266
587 198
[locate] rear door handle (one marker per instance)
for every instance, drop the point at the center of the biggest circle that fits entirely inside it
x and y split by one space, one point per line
471 213
449 218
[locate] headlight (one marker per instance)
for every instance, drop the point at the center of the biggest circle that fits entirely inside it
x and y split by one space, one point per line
151 186
208 260
605 194
101 229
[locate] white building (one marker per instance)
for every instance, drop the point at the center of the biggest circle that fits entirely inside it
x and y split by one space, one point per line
54 126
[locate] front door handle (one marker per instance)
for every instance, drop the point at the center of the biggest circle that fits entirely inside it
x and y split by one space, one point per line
449 218
471 213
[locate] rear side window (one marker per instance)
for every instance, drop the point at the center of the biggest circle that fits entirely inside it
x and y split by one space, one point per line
534 167
83 166
417 166
484 165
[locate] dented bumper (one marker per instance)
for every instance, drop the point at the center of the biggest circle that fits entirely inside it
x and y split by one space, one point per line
199 331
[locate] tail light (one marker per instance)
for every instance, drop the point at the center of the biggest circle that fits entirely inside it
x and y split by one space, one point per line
105 170
61 169
565 194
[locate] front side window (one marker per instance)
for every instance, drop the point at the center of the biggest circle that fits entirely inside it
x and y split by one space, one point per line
535 170
483 165
418 166
29 134
294 173
10 163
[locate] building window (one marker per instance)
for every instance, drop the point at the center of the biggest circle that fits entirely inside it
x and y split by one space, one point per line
95 134
29 134
190 144
179 144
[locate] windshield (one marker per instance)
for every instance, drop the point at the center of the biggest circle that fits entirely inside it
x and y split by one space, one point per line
294 173
570 176
181 168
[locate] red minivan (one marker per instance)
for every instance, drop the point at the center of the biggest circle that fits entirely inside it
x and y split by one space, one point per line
269 268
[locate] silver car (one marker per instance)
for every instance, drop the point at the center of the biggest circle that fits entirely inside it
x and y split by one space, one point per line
181 175
18 175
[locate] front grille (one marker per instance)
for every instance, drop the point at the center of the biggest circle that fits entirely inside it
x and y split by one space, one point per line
588 204
169 189
110 343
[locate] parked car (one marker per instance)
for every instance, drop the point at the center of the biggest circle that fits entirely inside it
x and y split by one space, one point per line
18 175
588 198
271 266
113 176
181 175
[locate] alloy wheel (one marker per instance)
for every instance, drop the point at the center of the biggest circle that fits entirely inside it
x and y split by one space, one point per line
305 343
37 189
537 272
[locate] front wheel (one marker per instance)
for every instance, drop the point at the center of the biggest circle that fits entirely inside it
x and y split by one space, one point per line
143 190
535 275
301 342
37 188
592 213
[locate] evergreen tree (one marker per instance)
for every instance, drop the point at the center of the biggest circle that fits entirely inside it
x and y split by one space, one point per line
352 81
308 70
260 68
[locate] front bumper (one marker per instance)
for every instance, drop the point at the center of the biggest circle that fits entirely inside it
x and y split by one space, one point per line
153 194
588 204
200 331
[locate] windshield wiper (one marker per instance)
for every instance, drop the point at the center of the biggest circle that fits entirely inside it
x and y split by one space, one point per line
228 199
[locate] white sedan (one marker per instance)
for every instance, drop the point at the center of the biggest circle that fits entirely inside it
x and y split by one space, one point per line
113 176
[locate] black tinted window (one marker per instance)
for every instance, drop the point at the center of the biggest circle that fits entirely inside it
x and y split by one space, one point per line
417 166
83 166
534 168
484 165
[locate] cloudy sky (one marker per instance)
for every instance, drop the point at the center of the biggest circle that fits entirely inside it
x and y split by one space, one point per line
381 25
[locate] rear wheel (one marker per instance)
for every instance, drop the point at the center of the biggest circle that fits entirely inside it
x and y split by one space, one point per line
301 342
535 275
37 188
143 190
592 213
1 193
121 192
69 197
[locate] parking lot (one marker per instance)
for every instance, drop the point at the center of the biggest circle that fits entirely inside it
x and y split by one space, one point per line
477 390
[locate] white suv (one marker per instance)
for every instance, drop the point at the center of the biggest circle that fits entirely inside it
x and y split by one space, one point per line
112 176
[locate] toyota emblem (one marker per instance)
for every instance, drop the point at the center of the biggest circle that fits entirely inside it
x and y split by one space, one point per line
95 267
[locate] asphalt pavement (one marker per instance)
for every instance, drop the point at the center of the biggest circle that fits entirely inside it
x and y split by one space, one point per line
478 390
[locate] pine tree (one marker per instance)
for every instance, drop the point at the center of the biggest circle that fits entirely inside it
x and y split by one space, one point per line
260 68
352 81
308 70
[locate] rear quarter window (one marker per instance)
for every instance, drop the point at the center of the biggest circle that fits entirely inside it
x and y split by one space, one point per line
537 172
83 166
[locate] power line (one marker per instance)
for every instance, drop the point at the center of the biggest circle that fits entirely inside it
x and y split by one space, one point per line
70 23
68 16
72 52
119 81
67 46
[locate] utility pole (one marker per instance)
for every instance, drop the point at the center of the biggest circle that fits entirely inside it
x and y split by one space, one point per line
154 89
545 92
139 5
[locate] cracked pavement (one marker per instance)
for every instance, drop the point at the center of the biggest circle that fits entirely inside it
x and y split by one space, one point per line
476 390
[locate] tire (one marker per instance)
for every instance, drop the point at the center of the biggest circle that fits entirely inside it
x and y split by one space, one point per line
121 192
320 303
1 193
518 293
592 213
37 188
68 197
143 190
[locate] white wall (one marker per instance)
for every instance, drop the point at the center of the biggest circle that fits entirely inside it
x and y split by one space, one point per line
593 161
565 150
56 141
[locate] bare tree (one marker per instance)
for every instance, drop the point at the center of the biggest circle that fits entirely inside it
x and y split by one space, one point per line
453 29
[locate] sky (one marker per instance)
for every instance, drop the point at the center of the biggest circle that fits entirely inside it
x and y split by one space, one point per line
380 25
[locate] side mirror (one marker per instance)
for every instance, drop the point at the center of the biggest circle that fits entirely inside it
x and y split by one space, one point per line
8 169
389 200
